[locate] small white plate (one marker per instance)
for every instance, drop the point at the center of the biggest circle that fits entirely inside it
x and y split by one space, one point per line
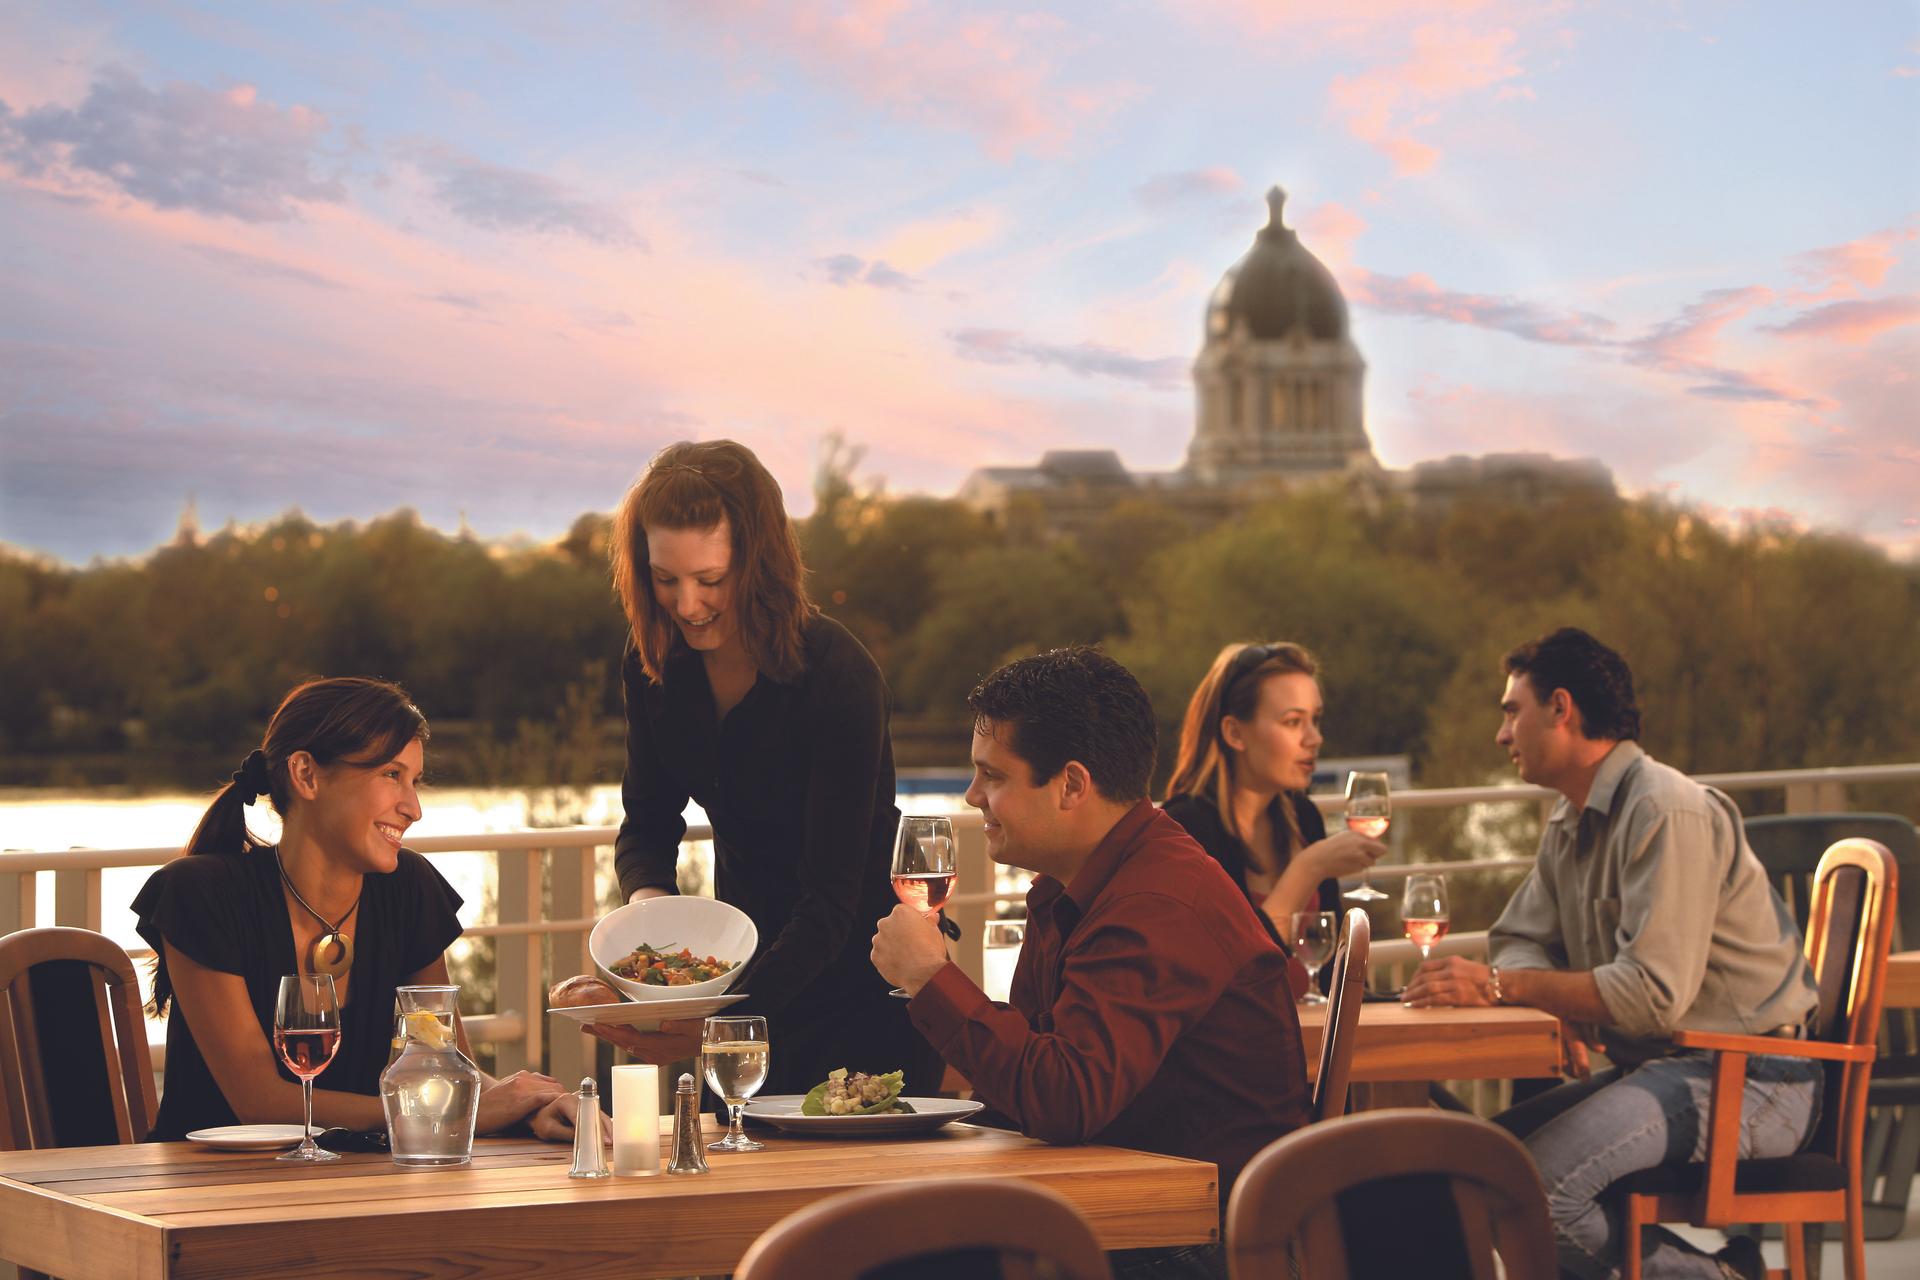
248 1137
647 1015
782 1111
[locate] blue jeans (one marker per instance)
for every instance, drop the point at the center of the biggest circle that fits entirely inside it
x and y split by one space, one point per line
1585 1136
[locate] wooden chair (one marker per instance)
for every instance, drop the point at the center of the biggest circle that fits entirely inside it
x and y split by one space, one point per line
1391 1193
1348 991
1850 921
74 1065
965 1227
1789 847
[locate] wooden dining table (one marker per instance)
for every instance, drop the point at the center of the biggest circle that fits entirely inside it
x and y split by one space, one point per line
175 1209
1903 980
1395 1043
1398 1051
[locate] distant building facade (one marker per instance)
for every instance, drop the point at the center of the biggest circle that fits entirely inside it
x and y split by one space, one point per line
1278 388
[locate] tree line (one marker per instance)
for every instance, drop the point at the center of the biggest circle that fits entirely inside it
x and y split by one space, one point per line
1762 647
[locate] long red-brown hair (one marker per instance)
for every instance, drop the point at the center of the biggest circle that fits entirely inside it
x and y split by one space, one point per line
697 485
1231 687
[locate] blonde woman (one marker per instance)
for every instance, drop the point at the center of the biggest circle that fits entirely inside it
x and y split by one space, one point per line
1247 750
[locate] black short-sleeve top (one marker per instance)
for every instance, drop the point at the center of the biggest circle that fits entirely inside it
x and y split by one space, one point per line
228 913
1203 822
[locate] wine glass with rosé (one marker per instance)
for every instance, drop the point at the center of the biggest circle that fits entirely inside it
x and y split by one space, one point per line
923 866
1369 810
306 1035
1423 911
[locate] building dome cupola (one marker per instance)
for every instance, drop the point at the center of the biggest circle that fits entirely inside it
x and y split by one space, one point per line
1277 288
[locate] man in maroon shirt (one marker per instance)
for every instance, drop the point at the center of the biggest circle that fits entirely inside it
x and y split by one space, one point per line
1149 1008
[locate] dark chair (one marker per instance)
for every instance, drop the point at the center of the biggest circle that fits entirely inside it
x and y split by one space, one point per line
74 1066
964 1227
1348 991
1850 920
1789 847
1391 1193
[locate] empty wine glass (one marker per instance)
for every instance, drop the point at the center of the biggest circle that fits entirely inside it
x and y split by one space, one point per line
736 1055
1423 911
1314 933
923 866
1369 810
306 1035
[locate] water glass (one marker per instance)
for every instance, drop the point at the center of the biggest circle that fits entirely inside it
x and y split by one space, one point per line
1314 934
735 1054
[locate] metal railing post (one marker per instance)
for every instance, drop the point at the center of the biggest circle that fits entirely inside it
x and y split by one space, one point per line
975 877
76 898
18 904
571 1054
517 977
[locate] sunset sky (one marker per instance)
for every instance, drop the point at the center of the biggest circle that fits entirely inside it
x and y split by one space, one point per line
482 259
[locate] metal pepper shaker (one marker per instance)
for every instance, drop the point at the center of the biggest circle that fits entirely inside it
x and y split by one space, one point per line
589 1138
688 1157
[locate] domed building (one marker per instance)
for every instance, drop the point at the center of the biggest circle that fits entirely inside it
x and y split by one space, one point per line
1278 380
1278 404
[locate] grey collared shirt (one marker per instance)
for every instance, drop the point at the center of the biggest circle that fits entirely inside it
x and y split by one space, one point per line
1651 886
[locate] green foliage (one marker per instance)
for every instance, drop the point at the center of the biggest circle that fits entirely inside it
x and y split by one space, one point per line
1763 648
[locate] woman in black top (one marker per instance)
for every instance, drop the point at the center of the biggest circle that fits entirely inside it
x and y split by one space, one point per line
1247 751
338 895
773 718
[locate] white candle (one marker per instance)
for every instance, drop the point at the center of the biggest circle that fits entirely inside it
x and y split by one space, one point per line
636 1119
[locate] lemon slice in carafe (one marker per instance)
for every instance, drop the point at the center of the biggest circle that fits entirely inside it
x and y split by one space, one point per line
428 1030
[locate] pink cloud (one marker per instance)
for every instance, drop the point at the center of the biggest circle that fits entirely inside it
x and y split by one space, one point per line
1843 269
981 72
1330 231
1851 321
1382 106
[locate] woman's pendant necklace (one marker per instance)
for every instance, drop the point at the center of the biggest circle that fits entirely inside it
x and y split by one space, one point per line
332 952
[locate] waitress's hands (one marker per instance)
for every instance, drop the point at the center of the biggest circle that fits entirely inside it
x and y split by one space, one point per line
676 1040
505 1103
641 895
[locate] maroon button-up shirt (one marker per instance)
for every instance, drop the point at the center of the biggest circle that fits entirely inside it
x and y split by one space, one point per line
1150 1009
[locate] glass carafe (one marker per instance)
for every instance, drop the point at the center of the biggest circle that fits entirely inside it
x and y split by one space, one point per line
431 1090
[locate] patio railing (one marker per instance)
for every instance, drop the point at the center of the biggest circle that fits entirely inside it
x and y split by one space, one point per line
547 899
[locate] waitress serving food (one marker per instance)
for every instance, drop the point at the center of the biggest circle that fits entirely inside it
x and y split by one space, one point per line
742 697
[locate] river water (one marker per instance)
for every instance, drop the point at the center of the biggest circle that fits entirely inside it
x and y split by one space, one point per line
51 820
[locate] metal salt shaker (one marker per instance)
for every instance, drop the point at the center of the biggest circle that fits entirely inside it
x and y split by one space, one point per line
687 1154
589 1139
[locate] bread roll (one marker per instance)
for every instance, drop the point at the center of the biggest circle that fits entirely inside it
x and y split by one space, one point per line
581 988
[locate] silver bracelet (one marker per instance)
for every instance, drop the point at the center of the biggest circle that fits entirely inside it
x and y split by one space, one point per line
1493 980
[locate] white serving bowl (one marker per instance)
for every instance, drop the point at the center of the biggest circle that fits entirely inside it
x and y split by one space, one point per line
703 926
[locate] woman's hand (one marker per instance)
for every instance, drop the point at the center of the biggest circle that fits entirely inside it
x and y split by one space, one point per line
554 1121
1345 854
676 1040
507 1102
641 895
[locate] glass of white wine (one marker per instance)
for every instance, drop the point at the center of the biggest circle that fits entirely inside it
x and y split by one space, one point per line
1369 810
1314 935
735 1054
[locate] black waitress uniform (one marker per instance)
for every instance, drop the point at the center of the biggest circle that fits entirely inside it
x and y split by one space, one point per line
797 782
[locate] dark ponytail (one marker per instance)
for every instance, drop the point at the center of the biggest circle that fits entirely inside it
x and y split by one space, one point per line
348 719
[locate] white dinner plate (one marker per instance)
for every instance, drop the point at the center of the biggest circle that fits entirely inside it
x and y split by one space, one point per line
248 1137
782 1111
646 1015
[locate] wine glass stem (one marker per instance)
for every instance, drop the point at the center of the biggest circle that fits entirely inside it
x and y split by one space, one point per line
306 1099
735 1133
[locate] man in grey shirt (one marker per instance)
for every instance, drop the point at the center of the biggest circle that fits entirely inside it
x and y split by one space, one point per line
1645 913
